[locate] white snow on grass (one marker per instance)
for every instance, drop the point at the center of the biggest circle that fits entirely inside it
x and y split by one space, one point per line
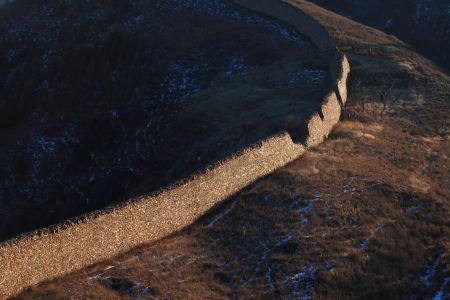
221 215
302 283
430 273
440 295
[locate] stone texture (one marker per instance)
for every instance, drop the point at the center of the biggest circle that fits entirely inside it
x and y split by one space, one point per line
58 250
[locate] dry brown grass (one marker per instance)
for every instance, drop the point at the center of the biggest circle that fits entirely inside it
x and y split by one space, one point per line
379 195
106 83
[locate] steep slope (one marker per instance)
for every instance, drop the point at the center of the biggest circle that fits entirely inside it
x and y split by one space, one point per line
364 215
99 99
425 24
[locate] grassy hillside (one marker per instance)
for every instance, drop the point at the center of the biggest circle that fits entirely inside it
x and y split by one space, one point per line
425 24
362 216
100 100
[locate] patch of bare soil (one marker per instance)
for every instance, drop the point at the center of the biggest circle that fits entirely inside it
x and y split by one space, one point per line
363 216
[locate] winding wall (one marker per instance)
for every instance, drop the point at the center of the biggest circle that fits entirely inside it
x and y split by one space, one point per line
58 250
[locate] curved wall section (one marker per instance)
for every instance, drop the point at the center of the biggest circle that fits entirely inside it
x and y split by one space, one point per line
52 252
48 253
287 12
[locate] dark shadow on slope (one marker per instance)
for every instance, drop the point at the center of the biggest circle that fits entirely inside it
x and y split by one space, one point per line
423 24
101 101
283 237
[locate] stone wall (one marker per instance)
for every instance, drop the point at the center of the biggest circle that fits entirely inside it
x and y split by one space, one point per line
287 12
75 244
60 249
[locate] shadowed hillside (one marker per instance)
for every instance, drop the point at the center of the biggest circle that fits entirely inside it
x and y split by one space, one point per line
425 24
102 100
362 216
